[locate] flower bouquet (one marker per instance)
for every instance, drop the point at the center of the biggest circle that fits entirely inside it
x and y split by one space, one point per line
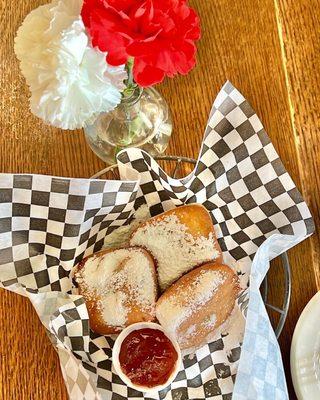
93 63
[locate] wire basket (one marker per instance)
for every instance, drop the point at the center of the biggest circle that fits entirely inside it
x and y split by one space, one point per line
179 167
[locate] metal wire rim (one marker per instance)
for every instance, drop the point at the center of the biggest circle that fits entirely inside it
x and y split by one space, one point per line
282 311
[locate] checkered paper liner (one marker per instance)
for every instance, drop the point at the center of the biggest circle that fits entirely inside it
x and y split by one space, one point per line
48 224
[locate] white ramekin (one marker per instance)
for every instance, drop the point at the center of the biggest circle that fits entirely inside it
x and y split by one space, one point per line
116 351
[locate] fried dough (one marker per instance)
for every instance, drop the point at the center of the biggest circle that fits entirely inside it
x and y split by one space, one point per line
119 288
198 303
179 240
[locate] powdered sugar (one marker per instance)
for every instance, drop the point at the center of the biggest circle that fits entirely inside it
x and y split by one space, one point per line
117 279
190 331
174 248
175 309
111 302
211 321
233 327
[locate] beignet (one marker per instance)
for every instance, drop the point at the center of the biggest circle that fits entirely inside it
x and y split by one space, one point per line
179 240
119 288
198 303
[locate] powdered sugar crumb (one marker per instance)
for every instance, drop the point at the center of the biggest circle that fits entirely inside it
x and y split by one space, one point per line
191 330
211 321
174 248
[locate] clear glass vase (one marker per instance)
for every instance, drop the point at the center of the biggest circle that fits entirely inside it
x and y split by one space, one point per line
141 120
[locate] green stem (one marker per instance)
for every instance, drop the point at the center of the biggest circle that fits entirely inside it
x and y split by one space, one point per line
130 83
130 71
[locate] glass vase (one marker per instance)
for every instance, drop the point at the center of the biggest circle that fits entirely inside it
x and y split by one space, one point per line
141 120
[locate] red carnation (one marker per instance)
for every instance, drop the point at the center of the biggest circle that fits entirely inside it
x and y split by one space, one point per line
158 34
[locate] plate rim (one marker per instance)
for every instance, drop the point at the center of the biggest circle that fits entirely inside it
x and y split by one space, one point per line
308 312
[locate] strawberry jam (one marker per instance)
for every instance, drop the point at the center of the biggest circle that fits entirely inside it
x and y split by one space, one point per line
147 357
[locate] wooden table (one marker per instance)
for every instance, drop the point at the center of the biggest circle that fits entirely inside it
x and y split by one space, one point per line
269 49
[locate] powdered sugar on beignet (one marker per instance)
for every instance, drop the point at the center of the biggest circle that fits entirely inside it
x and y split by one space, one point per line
198 303
119 287
173 312
179 240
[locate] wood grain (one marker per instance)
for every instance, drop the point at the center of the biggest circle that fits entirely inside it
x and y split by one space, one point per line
269 49
301 57
299 38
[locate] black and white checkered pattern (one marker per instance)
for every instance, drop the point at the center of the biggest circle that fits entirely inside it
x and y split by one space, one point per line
48 224
210 373
80 383
239 178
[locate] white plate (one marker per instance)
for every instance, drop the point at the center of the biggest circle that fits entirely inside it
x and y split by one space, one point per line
305 352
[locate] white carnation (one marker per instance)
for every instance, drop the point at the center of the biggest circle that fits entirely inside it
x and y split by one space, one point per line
70 82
